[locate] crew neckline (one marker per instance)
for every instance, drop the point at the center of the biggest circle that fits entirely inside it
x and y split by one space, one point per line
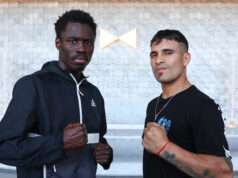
179 93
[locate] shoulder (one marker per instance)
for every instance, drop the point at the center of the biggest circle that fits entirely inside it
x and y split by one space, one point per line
199 106
26 81
32 77
197 94
153 101
207 110
91 86
198 99
30 82
92 89
204 100
151 104
25 88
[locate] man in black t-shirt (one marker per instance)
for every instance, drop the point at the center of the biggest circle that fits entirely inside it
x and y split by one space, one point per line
184 130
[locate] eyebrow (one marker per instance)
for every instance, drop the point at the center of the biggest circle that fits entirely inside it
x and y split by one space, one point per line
77 38
167 49
163 50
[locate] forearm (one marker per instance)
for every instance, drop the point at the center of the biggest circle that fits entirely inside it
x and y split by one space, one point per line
197 165
31 152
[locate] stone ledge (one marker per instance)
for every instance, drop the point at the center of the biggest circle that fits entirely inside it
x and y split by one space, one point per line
122 169
125 1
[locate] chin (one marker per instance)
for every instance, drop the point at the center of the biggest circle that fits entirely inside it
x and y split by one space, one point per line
167 81
164 81
78 70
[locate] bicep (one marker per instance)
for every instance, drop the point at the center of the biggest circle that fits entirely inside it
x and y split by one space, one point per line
208 131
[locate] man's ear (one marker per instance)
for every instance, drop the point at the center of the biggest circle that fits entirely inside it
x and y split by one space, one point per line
186 58
57 43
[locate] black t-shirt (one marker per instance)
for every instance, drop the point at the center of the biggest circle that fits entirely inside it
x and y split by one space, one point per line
193 121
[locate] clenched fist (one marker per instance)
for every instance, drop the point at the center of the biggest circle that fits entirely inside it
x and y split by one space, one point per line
75 136
102 153
155 137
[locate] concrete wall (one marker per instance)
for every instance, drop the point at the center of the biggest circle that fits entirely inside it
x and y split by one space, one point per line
124 75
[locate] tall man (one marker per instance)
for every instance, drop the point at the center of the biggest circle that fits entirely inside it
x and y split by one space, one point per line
55 123
184 129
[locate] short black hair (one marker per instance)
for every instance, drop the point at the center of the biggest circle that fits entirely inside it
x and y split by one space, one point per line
74 16
171 35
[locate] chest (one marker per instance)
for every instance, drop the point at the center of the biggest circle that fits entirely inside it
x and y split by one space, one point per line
177 120
60 104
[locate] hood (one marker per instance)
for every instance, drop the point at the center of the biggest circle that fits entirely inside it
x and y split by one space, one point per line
52 66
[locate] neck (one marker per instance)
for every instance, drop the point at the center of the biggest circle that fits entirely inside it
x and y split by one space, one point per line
172 89
76 74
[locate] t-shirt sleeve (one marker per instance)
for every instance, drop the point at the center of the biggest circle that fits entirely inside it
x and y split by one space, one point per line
208 130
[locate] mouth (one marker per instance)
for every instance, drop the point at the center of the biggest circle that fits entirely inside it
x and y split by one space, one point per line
160 69
80 59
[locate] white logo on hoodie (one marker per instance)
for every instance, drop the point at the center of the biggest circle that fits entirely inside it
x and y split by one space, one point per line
93 104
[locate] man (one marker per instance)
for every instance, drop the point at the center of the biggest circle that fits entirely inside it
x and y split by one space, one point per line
184 130
55 112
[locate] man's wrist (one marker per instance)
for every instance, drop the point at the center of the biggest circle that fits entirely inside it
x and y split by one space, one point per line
161 149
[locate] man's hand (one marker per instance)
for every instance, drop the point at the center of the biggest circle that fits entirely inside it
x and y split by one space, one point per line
102 153
75 136
155 137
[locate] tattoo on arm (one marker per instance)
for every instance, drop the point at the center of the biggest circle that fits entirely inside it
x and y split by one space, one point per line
186 168
167 155
229 164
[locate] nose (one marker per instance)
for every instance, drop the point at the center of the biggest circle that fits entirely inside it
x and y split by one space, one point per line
159 60
81 47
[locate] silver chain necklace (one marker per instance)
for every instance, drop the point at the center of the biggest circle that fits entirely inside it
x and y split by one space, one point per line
156 115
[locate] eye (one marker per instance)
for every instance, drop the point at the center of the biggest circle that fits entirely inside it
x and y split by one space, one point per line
89 43
153 55
72 41
168 52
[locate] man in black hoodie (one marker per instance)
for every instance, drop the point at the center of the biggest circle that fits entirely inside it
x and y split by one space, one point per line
55 123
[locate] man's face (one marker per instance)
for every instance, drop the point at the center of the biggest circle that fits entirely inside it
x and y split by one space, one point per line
75 46
168 62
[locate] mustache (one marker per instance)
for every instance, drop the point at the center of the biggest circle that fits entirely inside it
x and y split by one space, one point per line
163 66
80 56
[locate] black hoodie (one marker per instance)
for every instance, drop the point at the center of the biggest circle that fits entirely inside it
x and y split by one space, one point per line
44 103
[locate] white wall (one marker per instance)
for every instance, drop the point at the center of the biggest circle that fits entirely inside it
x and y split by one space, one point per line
124 75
